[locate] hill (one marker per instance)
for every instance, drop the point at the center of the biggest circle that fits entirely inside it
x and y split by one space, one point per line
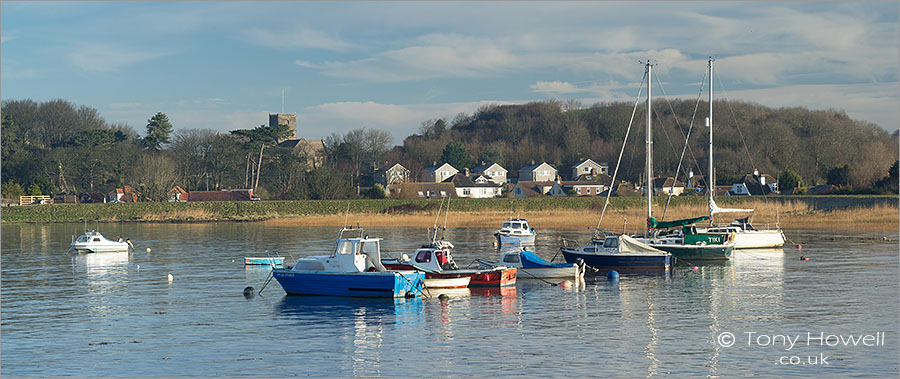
747 136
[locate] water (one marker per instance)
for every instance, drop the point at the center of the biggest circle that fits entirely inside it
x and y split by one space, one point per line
98 315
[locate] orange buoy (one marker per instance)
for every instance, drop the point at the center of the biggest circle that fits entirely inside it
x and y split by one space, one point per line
565 284
799 246
694 268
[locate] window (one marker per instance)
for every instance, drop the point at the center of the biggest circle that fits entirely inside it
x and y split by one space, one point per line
345 247
96 240
511 258
467 191
611 242
578 190
518 191
517 225
370 247
423 256
590 250
586 169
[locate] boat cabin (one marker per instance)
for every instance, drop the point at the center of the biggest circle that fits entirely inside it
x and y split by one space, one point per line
516 226
359 254
435 257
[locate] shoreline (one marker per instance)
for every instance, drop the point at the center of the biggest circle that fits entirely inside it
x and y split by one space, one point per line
878 213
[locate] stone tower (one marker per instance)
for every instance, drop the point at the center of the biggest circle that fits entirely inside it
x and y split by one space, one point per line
284 118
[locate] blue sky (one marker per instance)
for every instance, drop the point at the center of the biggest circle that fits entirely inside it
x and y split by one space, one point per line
392 65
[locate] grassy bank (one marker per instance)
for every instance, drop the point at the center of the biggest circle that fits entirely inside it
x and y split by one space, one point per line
791 211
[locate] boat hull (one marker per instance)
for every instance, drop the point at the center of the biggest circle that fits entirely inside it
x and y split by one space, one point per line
514 240
758 239
362 284
641 262
447 282
497 277
698 252
572 272
115 247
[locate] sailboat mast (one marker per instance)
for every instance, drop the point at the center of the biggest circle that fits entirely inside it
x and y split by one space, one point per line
711 181
649 158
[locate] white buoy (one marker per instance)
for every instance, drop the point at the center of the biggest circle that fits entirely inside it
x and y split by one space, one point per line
171 278
139 267
148 249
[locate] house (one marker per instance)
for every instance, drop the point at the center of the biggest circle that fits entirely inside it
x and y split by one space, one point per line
396 174
587 184
664 185
588 166
494 171
126 194
63 198
223 195
177 194
312 150
438 173
755 184
524 189
475 186
537 172
424 190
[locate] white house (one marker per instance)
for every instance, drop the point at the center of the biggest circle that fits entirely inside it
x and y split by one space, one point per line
537 172
438 173
588 167
530 188
494 171
476 186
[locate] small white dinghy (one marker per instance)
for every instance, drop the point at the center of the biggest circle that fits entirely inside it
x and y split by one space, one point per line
94 242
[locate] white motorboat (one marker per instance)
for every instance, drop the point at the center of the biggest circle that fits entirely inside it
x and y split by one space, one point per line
515 232
531 266
94 242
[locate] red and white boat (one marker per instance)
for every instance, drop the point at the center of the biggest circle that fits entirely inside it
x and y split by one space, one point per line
442 272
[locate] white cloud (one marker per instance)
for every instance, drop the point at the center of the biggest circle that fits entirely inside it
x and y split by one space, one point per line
103 57
298 37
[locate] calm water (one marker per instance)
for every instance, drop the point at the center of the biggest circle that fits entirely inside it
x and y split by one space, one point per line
99 315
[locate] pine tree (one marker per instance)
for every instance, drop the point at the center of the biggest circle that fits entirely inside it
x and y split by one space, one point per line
158 131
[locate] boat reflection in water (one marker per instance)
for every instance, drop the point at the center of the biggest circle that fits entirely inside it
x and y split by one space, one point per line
100 267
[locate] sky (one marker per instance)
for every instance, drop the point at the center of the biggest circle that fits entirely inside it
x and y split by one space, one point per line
393 65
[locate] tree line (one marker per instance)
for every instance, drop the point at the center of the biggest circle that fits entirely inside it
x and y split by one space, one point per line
57 146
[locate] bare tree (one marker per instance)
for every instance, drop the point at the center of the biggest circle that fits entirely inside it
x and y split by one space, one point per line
154 175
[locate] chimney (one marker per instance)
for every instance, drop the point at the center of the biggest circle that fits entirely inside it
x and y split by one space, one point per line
482 163
755 172
466 171
762 180
691 173
532 161
434 163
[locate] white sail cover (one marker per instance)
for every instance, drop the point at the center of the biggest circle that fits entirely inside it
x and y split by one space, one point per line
714 209
631 245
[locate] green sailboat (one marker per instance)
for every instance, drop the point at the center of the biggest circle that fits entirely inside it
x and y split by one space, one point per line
679 237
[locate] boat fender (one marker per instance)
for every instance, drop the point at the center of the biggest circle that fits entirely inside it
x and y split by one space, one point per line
612 275
249 292
170 277
565 284
444 297
803 258
405 257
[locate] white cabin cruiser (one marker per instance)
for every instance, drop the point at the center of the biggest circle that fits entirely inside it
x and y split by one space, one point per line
94 242
515 232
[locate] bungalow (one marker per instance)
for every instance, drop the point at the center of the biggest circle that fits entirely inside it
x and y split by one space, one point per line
396 174
312 150
587 185
126 194
755 184
523 189
438 173
537 172
424 190
664 185
476 186
494 171
587 167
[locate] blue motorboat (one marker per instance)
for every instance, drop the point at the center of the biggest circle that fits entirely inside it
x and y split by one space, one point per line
353 269
618 252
